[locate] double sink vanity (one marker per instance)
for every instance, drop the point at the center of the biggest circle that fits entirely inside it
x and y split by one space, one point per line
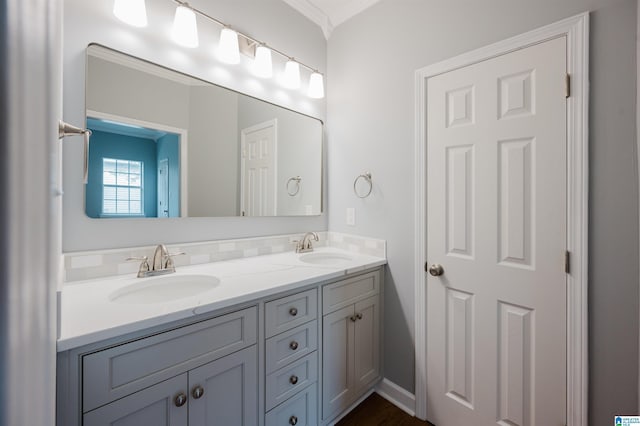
238 332
280 339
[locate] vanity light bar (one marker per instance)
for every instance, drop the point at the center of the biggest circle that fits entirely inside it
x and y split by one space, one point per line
316 86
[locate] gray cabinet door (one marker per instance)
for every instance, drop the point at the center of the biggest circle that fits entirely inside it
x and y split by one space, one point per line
119 371
230 391
337 361
366 349
151 406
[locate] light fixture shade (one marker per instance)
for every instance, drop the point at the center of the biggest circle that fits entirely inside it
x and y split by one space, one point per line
291 77
185 29
132 12
228 50
262 65
316 86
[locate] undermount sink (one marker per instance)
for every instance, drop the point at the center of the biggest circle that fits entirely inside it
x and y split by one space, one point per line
325 258
164 289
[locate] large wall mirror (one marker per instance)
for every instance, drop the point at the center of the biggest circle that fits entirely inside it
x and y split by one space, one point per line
165 144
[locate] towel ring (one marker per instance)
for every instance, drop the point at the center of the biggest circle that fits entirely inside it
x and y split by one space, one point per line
297 180
367 177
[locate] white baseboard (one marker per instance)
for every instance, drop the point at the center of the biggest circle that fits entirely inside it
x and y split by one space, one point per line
398 396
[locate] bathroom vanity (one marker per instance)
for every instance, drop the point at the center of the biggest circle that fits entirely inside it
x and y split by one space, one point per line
275 342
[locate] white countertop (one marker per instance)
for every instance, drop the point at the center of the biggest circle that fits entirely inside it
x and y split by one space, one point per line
88 314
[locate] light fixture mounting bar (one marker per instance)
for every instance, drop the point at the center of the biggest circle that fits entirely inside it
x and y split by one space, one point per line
251 39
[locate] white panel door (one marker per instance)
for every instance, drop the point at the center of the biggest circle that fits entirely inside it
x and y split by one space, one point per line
163 188
259 163
496 317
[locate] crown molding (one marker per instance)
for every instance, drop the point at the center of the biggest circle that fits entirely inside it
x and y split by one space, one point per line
349 9
314 14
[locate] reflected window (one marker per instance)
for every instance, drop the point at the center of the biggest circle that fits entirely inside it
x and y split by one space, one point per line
122 187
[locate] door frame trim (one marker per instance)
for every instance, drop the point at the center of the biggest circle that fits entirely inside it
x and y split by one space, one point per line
576 30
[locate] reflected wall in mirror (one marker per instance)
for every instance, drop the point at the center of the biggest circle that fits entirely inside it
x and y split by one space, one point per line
165 144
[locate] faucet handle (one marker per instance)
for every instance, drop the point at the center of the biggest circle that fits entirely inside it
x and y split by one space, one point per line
169 261
176 254
144 265
298 243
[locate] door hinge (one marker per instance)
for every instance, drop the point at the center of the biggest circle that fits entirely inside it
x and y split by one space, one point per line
567 262
567 85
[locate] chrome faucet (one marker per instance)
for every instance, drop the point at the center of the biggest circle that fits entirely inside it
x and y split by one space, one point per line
161 264
304 245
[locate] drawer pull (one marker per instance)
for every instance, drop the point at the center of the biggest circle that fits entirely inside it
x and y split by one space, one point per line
180 399
293 379
293 420
359 316
293 345
197 392
293 312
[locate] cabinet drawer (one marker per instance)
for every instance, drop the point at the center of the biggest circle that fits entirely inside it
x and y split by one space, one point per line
122 370
286 382
291 311
346 292
299 410
291 345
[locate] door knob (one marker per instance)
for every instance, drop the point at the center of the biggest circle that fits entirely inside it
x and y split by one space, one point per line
436 270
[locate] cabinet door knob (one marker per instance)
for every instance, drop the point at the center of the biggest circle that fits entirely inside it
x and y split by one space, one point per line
293 312
180 399
293 345
353 318
293 420
359 316
293 379
197 392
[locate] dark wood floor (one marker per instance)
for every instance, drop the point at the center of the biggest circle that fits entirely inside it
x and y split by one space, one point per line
375 410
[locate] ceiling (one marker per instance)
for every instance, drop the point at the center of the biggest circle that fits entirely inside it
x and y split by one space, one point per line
328 14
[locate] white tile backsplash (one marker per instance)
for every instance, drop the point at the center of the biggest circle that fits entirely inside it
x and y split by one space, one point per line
103 263
197 259
86 261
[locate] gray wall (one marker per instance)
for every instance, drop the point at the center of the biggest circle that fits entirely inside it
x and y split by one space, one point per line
372 59
271 21
213 152
127 92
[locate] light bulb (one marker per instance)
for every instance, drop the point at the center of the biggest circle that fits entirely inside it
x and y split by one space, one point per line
316 86
132 12
262 66
291 78
185 29
228 49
